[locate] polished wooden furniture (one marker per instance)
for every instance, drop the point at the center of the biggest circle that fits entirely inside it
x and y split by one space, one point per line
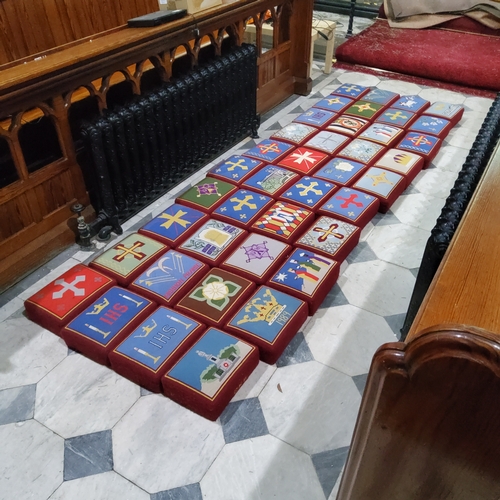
429 425
45 95
327 28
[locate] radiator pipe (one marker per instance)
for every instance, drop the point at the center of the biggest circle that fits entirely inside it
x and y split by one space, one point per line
82 227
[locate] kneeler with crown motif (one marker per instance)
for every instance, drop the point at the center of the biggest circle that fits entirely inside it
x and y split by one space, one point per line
269 320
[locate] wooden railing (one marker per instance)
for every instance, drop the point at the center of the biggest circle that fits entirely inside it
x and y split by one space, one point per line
41 105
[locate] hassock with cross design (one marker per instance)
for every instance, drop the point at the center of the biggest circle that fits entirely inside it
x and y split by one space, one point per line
125 260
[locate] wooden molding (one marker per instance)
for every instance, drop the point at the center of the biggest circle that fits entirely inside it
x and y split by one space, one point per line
428 427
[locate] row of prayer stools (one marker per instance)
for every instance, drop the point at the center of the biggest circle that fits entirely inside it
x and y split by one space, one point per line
229 273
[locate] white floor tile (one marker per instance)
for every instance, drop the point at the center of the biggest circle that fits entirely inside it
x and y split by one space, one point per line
418 210
80 396
28 353
31 458
301 401
346 337
106 486
379 287
159 445
261 468
399 244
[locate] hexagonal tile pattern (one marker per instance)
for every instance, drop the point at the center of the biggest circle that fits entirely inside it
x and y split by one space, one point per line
399 244
17 404
435 183
106 486
301 401
30 460
156 428
334 298
450 158
435 94
256 382
345 338
400 87
361 253
396 322
360 381
418 210
28 352
261 468
478 103
379 287
364 79
79 397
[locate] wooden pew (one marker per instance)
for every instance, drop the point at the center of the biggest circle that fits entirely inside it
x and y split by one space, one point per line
429 426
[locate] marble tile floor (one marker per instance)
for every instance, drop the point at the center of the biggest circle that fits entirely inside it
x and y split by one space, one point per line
72 429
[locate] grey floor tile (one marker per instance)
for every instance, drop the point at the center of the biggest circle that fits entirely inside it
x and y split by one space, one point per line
385 219
361 253
34 277
298 109
414 271
88 455
63 257
396 322
17 404
189 492
334 298
360 381
139 224
10 294
145 392
297 351
411 189
328 465
243 420
274 126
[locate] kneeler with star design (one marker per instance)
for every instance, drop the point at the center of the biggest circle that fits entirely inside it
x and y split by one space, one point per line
307 275
257 257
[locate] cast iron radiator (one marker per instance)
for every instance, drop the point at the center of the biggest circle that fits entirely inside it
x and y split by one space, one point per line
454 208
140 150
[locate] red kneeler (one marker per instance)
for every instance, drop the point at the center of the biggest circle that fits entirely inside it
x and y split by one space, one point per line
57 303
207 377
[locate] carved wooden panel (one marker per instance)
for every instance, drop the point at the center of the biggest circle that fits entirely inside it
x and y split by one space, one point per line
28 27
45 100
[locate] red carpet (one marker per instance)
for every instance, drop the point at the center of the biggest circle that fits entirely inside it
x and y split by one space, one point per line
452 57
